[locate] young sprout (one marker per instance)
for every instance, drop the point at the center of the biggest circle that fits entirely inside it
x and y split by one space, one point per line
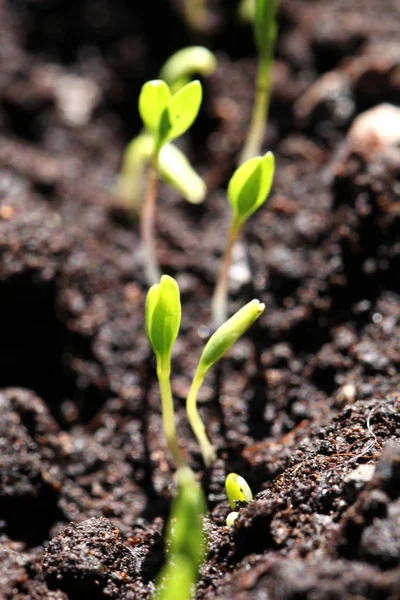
173 166
181 66
185 541
247 191
166 116
218 344
265 30
231 518
237 490
163 318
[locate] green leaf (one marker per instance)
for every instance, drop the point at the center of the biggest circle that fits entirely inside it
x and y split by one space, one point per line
265 28
181 111
250 185
226 335
153 101
176 170
163 316
237 489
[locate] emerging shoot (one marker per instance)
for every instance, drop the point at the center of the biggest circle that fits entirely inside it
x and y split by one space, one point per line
265 31
185 541
237 490
181 66
248 189
166 116
218 345
163 318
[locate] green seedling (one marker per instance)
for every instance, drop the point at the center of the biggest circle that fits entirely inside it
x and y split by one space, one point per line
248 189
218 345
237 490
265 31
173 166
166 116
184 64
163 318
185 541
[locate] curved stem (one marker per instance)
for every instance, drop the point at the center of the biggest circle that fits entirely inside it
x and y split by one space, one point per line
167 408
219 303
259 116
151 268
196 422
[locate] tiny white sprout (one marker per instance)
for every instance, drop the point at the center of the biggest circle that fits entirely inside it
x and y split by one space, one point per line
231 518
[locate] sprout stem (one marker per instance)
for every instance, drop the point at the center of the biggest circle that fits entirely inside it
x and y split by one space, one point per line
151 268
167 408
259 116
195 420
219 303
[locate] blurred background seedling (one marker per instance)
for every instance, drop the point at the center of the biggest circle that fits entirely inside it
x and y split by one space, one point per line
248 189
166 116
265 32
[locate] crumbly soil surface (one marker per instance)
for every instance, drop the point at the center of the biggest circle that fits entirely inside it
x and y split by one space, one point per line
305 407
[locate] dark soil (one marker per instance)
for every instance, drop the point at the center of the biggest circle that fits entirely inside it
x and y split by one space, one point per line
306 407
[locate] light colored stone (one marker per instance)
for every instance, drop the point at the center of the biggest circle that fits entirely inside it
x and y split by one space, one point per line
376 129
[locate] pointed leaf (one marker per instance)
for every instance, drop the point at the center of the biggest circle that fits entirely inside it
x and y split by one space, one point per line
163 315
153 101
226 335
250 185
181 111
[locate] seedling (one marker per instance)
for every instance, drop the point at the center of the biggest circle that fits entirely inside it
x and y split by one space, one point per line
166 116
163 317
265 31
248 189
173 166
237 490
184 64
185 541
218 344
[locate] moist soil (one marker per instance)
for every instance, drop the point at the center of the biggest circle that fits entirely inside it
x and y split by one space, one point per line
305 407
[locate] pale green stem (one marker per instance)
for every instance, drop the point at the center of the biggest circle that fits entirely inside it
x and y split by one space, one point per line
259 116
152 271
168 417
195 420
219 303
